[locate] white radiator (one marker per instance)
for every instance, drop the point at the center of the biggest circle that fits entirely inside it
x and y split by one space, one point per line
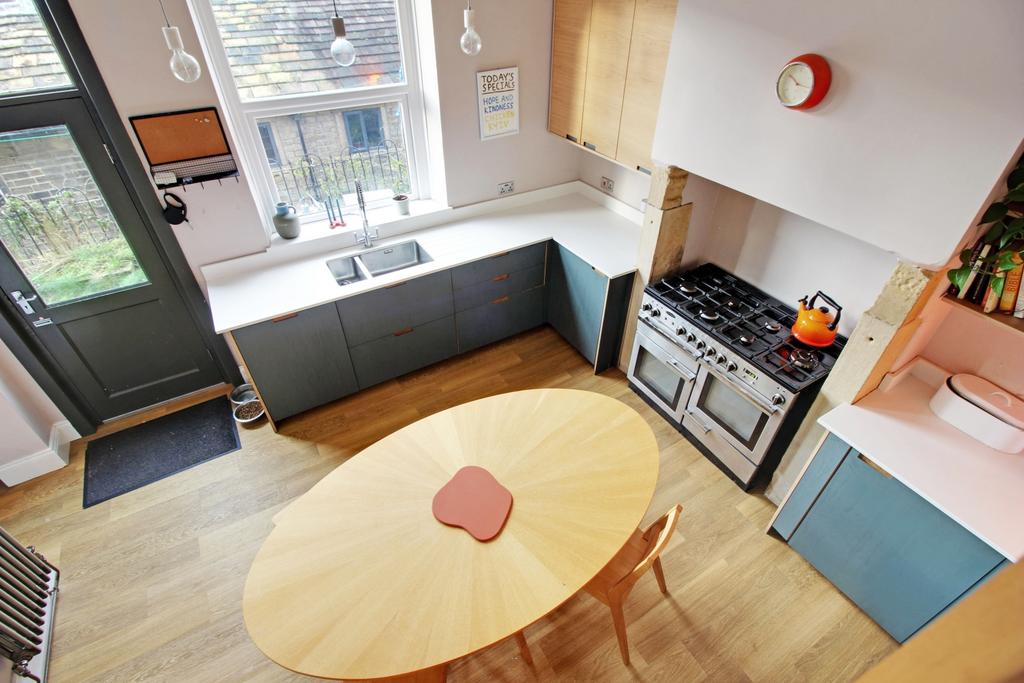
28 597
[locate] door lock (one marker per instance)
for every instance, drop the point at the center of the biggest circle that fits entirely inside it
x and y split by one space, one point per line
24 302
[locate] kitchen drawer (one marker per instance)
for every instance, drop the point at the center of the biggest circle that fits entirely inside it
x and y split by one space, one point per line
383 312
891 552
490 268
404 351
483 293
503 317
299 361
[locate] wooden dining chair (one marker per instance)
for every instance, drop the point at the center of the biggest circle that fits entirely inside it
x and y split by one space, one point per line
641 552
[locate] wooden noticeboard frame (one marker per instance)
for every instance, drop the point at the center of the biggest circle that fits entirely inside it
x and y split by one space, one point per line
184 147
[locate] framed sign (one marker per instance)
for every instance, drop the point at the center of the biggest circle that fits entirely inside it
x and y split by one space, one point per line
498 99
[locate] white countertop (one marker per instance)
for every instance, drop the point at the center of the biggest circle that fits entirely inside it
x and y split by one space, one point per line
289 278
977 486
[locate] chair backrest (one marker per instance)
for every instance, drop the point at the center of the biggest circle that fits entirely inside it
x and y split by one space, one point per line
657 536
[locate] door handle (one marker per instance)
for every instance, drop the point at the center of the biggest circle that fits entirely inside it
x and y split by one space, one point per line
24 302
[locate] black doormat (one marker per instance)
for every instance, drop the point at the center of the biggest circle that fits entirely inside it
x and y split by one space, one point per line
140 455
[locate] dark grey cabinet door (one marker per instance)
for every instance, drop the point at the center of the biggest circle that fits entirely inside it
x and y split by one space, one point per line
409 304
889 550
485 292
410 349
298 362
576 300
503 317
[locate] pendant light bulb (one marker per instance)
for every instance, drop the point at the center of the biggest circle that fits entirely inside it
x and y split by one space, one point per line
470 41
184 66
341 49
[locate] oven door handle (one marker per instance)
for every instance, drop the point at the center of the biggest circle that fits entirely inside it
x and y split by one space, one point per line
748 392
686 374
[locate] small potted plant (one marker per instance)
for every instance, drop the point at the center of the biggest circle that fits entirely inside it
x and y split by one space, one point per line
402 204
999 253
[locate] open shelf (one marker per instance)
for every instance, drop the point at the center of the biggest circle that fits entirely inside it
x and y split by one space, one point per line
1015 324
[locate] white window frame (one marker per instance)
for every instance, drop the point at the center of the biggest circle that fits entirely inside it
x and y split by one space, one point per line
244 115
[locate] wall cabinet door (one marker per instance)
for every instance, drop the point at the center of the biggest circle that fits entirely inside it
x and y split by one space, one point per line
299 361
576 297
648 56
570 39
607 59
890 551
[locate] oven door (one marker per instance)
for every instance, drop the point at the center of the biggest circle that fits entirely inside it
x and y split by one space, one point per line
741 417
666 378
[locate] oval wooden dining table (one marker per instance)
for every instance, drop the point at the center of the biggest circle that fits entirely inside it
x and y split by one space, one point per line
359 581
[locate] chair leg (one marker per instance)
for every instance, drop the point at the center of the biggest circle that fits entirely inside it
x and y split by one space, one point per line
619 619
659 574
524 649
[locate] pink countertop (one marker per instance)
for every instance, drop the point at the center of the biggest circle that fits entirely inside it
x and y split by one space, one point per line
979 487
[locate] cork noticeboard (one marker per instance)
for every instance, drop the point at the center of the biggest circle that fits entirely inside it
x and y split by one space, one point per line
180 136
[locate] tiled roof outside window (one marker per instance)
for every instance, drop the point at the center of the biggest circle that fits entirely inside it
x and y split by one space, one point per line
282 47
28 60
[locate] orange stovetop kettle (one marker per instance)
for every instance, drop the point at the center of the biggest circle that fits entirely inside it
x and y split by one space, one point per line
817 326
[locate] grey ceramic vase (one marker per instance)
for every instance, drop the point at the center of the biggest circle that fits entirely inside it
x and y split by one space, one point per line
286 221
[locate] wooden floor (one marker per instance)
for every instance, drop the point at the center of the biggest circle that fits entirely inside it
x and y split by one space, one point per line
151 581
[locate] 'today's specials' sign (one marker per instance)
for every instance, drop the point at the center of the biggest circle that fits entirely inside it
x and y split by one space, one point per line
498 94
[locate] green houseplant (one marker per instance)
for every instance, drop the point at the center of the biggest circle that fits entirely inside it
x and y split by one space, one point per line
1005 233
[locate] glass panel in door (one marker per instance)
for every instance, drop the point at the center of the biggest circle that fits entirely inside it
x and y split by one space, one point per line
726 406
659 377
28 60
55 223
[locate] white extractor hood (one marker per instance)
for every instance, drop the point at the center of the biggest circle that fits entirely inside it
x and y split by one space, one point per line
925 111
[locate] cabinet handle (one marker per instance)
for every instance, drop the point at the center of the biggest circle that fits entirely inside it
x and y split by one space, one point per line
504 253
591 146
643 170
572 138
499 278
501 299
397 284
873 465
282 318
406 331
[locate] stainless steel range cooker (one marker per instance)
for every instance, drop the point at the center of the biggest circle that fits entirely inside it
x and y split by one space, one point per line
714 355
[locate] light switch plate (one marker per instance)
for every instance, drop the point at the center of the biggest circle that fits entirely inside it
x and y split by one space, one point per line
507 187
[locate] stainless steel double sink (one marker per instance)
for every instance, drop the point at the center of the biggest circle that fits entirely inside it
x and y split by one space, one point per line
373 262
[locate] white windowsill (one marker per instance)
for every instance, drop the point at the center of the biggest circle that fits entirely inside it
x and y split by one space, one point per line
385 219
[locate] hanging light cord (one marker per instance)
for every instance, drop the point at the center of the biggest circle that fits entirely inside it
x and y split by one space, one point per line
164 12
335 7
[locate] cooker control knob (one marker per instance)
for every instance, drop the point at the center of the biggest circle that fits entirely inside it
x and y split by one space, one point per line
646 307
710 353
699 345
731 366
680 331
778 400
655 313
721 358
690 336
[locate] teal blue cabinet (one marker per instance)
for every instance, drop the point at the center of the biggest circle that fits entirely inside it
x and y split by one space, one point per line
402 352
298 361
586 307
890 551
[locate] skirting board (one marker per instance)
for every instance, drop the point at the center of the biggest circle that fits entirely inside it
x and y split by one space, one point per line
49 459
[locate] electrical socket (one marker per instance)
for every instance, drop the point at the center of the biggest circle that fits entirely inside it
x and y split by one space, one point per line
607 184
507 187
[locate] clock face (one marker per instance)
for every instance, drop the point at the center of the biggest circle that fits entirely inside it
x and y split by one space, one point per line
795 84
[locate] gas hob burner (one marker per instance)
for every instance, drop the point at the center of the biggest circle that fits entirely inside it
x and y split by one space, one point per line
773 327
710 315
805 359
746 339
687 287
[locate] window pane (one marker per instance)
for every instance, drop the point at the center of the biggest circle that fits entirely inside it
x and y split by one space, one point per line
54 221
283 47
28 60
321 154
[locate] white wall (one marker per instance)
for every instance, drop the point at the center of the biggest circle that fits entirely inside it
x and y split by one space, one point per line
784 254
924 112
513 34
631 187
129 49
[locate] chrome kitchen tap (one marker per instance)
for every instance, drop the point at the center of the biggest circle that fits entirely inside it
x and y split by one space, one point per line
366 238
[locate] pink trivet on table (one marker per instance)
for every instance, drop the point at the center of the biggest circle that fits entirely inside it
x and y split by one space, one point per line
475 501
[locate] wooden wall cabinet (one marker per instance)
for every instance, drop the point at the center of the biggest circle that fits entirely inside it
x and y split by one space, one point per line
608 61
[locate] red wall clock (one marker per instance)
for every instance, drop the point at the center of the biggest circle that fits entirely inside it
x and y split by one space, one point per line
804 82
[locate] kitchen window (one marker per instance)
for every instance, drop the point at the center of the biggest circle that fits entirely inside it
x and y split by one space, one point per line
307 128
